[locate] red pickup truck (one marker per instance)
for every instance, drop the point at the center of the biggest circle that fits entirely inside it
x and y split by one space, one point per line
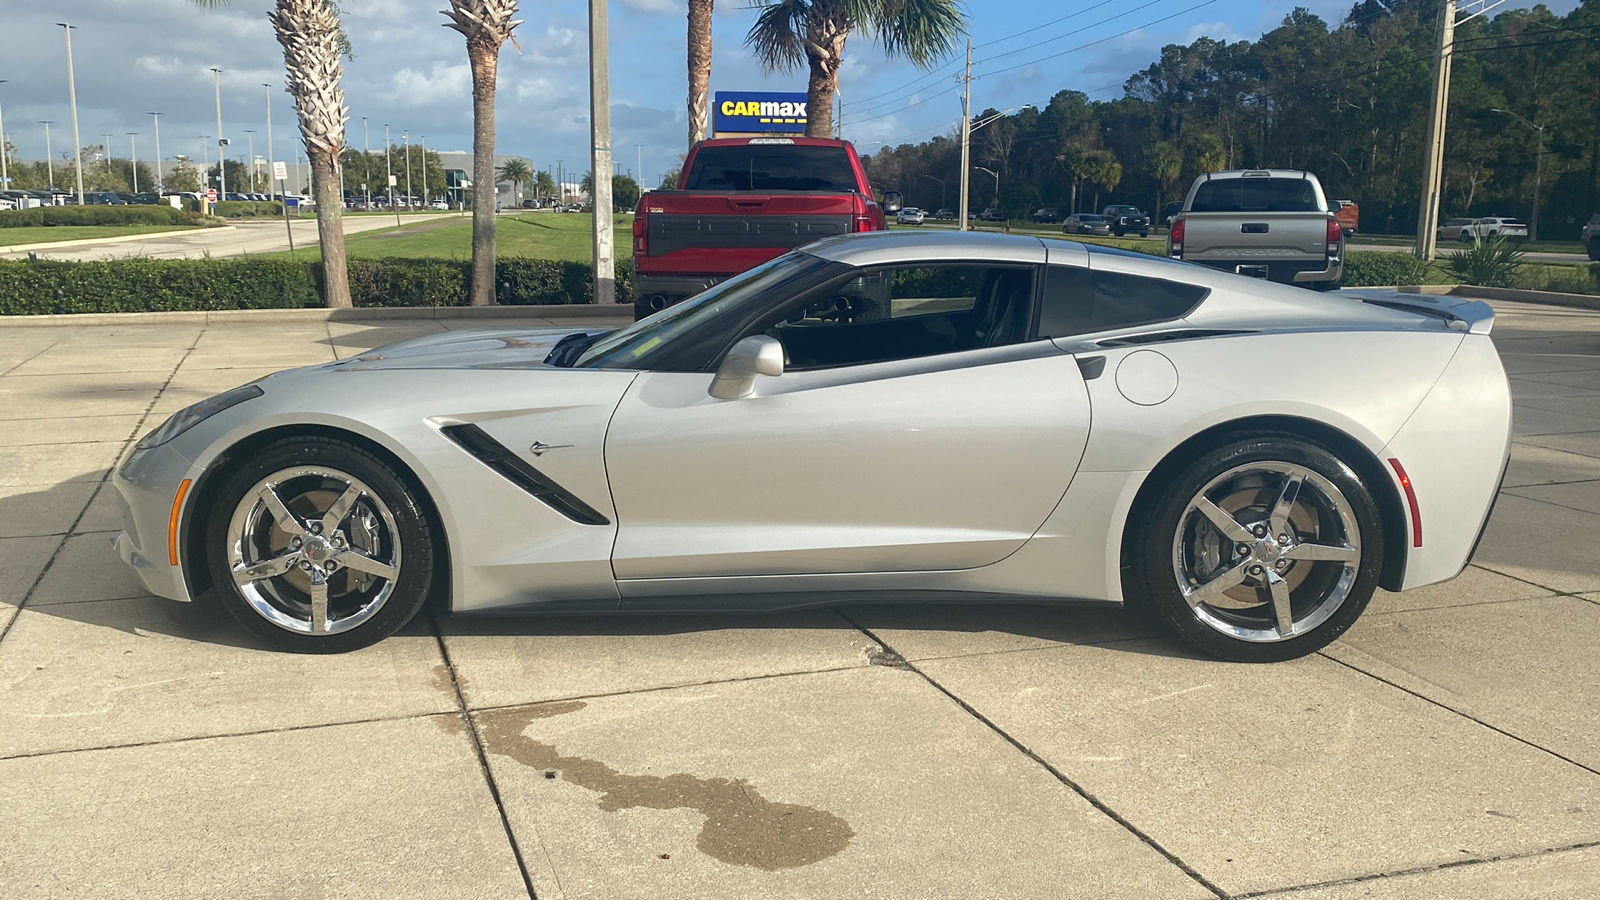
741 202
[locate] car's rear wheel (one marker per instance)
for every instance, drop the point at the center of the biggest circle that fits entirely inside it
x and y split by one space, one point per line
318 546
1594 250
1260 550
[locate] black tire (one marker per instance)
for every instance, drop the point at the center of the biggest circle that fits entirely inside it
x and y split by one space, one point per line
1326 285
1594 250
1144 234
1120 232
1328 596
397 527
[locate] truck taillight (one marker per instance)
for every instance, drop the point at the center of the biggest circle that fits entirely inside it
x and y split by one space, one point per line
861 217
1176 240
639 242
1335 235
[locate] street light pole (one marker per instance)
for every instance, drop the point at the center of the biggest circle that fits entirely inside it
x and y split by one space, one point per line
605 283
966 138
366 161
72 97
996 182
1538 172
49 159
161 181
205 164
133 155
424 142
5 171
222 164
1433 161
941 189
388 173
266 90
251 146
405 137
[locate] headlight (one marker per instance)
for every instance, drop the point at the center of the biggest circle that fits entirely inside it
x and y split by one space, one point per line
190 416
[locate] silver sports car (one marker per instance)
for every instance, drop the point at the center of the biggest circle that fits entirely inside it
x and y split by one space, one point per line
907 417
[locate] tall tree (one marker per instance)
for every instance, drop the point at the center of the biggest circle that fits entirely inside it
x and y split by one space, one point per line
544 185
1166 163
313 42
790 32
515 171
699 67
487 25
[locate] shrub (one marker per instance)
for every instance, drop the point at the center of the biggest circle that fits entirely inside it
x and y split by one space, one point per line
1561 279
1486 263
1374 268
90 215
155 285
235 209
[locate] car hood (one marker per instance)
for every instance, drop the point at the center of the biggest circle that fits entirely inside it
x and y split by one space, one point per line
519 348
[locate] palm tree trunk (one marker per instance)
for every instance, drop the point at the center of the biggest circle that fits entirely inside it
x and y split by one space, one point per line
330 228
820 89
485 59
699 67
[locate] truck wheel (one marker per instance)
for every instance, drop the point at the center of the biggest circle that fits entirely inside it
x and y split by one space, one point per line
1120 232
1594 250
1144 234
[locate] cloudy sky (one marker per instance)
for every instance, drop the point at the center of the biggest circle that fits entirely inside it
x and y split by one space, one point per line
136 56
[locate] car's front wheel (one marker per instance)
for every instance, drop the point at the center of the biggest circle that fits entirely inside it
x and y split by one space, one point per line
1594 250
318 546
1260 550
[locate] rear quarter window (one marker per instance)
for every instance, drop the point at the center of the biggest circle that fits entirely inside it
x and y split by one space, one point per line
1255 195
1083 301
772 167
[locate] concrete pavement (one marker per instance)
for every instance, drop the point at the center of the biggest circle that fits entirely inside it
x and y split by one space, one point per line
1446 747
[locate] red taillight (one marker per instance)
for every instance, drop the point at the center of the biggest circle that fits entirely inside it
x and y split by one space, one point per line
1334 236
1176 239
861 219
639 242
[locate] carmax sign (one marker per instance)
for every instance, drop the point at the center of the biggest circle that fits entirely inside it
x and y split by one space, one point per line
759 112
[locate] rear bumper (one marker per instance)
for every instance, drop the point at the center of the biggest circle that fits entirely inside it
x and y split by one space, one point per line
1292 272
655 292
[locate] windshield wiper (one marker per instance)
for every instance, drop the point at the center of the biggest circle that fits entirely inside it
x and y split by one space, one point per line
567 350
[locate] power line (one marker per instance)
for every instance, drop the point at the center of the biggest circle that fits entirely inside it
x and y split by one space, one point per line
1126 12
1112 37
1037 28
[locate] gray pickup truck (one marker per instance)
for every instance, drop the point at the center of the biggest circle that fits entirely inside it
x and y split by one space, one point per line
1266 223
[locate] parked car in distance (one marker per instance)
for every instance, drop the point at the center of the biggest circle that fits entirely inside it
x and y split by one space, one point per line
530 203
1125 219
945 215
1086 223
103 198
1491 227
1348 215
438 204
1591 237
993 214
1046 216
1264 223
1458 229
911 215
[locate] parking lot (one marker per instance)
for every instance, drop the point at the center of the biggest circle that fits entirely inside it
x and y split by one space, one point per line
1447 747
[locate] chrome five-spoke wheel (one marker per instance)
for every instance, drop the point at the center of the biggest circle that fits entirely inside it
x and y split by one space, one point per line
1259 549
317 545
314 550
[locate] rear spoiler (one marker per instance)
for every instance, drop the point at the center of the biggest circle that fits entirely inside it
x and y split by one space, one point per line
1459 313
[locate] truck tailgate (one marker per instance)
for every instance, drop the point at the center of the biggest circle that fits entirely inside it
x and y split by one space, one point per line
1267 236
681 221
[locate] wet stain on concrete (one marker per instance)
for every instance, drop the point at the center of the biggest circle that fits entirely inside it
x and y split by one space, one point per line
742 827
445 684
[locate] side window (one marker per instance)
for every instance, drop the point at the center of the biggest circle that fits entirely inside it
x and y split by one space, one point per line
887 314
1083 301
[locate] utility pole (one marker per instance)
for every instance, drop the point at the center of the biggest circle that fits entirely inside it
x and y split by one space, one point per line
966 138
640 148
5 172
161 181
222 164
205 163
49 159
366 161
251 145
561 185
266 91
72 97
605 283
133 152
1538 172
388 173
424 142
1433 158
406 137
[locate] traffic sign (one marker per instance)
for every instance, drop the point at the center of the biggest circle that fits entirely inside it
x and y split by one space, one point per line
393 181
211 195
280 172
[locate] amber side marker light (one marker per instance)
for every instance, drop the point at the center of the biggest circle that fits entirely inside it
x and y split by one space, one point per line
1411 500
172 524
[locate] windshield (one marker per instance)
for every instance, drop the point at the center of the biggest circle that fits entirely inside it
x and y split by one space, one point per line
772 167
627 349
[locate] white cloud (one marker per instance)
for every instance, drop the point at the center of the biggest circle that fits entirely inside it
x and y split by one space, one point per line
442 83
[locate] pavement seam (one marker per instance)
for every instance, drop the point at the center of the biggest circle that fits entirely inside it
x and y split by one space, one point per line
40 353
1465 715
104 480
1419 870
1059 775
1488 568
483 763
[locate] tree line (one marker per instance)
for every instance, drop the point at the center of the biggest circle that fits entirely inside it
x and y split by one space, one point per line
1348 102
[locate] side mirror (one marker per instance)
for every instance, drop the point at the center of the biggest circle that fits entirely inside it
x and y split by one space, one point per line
893 202
755 355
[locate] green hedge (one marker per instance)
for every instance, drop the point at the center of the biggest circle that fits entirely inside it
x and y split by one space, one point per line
236 209
1375 268
157 285
90 215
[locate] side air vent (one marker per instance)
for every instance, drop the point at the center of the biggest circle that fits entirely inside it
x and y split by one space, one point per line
516 470
1160 337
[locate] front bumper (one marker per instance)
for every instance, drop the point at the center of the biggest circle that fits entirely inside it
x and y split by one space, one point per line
147 484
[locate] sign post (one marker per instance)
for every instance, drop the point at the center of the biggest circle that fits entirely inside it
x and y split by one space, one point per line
280 172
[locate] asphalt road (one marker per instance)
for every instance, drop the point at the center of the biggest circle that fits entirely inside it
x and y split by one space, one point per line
1447 746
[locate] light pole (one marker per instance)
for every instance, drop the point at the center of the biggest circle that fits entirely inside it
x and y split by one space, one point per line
49 159
405 136
133 158
941 189
250 144
388 173
424 142
561 185
72 98
1538 172
1433 159
205 163
996 182
5 172
366 161
222 164
161 180
266 90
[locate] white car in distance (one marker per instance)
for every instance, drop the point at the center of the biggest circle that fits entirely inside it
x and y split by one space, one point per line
1488 228
910 216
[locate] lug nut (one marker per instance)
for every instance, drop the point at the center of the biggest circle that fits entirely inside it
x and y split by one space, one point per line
305 565
316 527
1255 570
294 543
330 566
1244 549
1283 564
1283 539
1260 531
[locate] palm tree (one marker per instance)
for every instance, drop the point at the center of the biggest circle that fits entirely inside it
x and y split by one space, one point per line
699 67
1102 168
487 25
543 184
515 171
789 32
1166 164
313 42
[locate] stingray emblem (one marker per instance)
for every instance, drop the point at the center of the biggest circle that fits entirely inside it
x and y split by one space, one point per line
539 447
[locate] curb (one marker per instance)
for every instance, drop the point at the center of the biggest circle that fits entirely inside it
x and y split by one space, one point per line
1546 298
119 239
319 314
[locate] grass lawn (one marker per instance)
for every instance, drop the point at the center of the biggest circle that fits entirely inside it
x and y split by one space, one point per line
10 237
543 235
